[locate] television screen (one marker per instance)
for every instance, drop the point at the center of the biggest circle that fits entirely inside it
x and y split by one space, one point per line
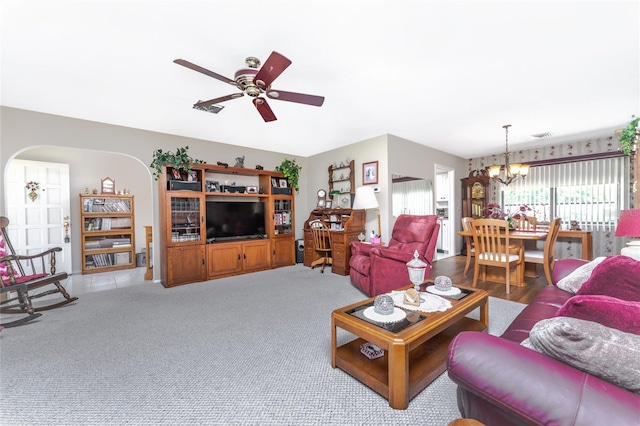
235 220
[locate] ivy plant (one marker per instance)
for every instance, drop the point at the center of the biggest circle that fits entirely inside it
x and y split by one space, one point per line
291 170
629 136
179 160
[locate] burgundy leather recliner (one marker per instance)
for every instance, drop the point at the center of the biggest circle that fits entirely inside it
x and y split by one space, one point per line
379 269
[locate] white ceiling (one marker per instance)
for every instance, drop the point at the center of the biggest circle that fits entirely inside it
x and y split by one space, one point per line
446 74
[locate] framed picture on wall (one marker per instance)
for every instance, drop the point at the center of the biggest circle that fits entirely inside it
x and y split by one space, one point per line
370 173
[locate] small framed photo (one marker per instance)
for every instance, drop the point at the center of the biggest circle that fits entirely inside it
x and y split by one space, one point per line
274 183
252 189
283 183
175 174
327 204
213 186
108 185
370 173
192 177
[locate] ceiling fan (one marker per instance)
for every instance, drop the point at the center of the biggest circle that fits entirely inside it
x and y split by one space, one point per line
254 82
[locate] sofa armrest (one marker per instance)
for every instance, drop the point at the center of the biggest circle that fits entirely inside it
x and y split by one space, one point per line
510 382
564 267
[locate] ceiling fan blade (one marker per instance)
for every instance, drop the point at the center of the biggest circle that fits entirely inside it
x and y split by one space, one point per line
264 109
204 104
300 98
272 68
204 71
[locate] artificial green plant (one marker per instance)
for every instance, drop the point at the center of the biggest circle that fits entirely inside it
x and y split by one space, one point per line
291 170
629 136
179 160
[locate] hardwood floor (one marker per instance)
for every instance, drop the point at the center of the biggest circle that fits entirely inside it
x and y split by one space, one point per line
454 266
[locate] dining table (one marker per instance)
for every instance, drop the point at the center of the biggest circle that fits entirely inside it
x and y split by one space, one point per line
516 237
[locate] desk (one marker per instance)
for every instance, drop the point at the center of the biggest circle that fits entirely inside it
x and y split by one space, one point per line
585 240
496 274
350 224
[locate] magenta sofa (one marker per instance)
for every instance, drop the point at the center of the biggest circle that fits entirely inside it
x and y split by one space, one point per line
379 269
501 382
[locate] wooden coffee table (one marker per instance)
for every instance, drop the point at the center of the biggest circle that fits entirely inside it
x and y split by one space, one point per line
415 349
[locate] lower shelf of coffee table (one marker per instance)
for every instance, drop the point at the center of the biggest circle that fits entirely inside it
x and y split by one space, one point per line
426 362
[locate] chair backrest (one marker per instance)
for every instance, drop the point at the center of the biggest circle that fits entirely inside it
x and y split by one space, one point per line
7 249
466 226
529 223
552 237
321 236
414 232
491 239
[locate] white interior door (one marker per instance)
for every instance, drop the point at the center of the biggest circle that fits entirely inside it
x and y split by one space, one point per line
38 223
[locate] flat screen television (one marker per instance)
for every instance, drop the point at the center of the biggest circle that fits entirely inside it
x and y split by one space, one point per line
228 220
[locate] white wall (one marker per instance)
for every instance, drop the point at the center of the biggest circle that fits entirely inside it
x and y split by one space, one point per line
95 150
374 149
408 158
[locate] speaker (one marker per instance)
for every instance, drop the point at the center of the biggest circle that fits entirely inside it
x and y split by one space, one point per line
299 251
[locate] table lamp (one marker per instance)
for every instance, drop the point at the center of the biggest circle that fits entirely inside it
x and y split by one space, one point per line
366 200
629 226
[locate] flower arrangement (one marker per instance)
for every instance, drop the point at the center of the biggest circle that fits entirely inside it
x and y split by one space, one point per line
494 211
33 186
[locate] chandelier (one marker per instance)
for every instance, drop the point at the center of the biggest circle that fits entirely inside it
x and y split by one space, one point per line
509 172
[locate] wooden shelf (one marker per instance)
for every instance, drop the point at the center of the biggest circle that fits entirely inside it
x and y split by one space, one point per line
108 233
181 245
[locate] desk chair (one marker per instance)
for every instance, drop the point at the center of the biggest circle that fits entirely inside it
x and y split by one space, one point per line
545 257
468 241
491 240
321 244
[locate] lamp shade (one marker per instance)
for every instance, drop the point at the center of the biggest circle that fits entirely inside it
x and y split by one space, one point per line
365 198
629 223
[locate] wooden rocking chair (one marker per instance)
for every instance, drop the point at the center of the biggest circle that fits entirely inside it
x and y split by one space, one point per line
30 271
23 301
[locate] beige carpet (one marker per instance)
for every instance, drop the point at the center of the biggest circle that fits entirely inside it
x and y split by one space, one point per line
247 350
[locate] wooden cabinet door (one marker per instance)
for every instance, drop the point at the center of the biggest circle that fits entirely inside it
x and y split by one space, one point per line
224 259
257 255
284 253
185 264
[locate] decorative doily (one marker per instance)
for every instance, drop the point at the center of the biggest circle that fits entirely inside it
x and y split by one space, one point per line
428 302
396 316
451 292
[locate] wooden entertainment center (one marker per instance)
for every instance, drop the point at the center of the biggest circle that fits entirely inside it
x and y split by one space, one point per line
188 255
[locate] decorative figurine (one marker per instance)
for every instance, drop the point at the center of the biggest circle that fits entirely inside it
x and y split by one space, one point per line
259 167
225 165
240 162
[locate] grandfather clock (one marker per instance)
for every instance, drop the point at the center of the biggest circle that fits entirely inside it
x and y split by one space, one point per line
475 189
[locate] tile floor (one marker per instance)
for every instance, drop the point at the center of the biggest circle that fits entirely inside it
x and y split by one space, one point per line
78 284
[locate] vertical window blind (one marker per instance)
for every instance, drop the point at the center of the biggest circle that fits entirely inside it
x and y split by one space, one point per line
412 197
591 192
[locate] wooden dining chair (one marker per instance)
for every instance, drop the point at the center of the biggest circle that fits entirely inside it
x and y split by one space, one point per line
493 248
528 223
545 257
321 244
468 241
